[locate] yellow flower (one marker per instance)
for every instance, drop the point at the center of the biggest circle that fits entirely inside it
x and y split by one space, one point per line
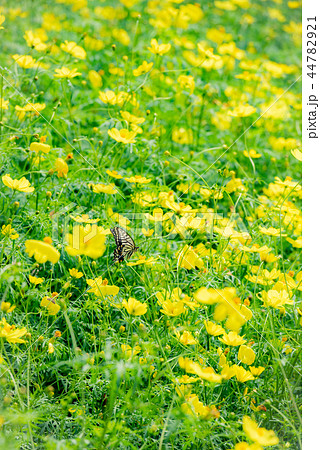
3 103
35 280
120 34
232 339
95 79
108 97
51 306
272 231
34 41
258 435
147 233
276 299
142 260
159 49
74 49
11 333
138 179
193 406
172 309
131 118
88 240
84 218
252 154
101 288
50 347
145 67
22 185
114 174
213 328
206 373
29 107
103 188
242 110
256 371
123 135
42 251
61 167
134 307
187 81
295 243
39 147
187 339
24 61
64 72
189 259
7 230
246 355
182 136
242 374
75 273
297 154
2 19
7 307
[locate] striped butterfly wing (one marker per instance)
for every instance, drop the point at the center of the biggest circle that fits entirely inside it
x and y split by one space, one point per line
125 245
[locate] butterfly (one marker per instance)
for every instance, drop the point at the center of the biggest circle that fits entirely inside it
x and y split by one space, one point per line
125 245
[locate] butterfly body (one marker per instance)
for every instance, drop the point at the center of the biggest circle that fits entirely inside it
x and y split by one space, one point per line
125 246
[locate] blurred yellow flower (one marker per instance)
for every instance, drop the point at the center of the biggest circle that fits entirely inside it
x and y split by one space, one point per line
74 49
297 154
88 240
2 19
4 103
189 259
187 82
50 305
61 167
50 347
34 41
95 79
64 72
246 355
22 185
7 230
75 273
35 280
252 154
242 110
42 251
139 179
101 288
134 307
145 67
258 435
114 174
213 328
108 97
242 374
103 188
123 135
256 371
232 339
25 61
11 333
29 107
172 308
39 147
7 307
159 49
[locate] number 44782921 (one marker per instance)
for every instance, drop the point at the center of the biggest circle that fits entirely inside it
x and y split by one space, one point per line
311 46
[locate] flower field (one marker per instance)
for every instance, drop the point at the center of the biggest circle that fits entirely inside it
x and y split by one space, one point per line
150 224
